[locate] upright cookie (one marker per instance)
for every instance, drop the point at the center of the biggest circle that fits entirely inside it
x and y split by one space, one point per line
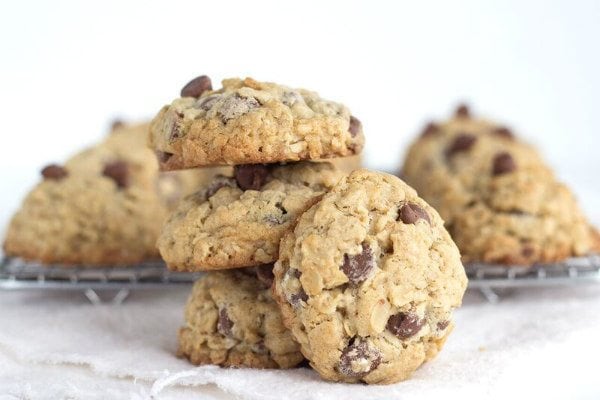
368 279
500 201
250 122
238 222
232 320
104 206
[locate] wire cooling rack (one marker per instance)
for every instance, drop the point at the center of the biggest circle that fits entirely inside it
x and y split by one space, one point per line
17 274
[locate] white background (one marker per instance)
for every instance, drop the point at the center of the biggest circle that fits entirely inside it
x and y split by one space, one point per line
68 67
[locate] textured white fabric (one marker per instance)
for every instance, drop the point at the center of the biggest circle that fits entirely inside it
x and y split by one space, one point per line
540 342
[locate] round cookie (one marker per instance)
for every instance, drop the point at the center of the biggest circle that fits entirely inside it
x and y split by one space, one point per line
238 222
368 279
104 206
232 320
500 201
250 122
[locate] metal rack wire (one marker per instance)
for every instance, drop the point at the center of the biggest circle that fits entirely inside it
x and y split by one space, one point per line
16 274
94 282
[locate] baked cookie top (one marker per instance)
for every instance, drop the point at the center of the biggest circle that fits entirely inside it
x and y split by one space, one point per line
368 279
500 201
232 320
104 206
238 221
251 122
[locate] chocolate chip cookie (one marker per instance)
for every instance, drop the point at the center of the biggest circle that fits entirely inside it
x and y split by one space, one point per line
104 206
501 202
232 320
238 221
250 122
368 279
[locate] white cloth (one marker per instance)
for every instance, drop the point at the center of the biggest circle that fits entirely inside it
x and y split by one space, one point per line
535 342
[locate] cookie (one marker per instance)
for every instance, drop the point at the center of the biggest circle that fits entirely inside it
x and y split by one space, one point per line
501 202
347 164
104 206
238 221
368 279
250 122
231 320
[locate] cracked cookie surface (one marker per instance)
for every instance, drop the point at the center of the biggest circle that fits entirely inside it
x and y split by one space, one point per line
500 201
368 279
238 221
104 206
232 320
250 122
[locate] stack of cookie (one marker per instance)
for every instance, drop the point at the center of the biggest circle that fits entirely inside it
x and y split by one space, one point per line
366 277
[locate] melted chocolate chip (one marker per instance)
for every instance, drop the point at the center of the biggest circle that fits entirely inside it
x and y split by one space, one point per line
118 171
220 181
462 111
504 163
504 132
54 172
358 266
116 124
443 325
264 273
359 358
163 157
251 176
196 86
410 213
461 143
405 325
224 324
527 251
430 130
355 125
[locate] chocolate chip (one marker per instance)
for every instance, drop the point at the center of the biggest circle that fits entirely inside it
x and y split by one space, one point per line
430 130
116 124
219 181
462 111
359 358
224 324
196 86
355 126
504 132
527 251
410 213
251 176
118 171
358 266
405 325
264 273
503 164
236 106
296 298
163 157
54 172
443 325
462 142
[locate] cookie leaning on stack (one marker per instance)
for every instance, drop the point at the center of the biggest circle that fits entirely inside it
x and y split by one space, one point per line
500 201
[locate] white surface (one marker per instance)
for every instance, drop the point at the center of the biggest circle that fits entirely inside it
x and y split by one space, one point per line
536 343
